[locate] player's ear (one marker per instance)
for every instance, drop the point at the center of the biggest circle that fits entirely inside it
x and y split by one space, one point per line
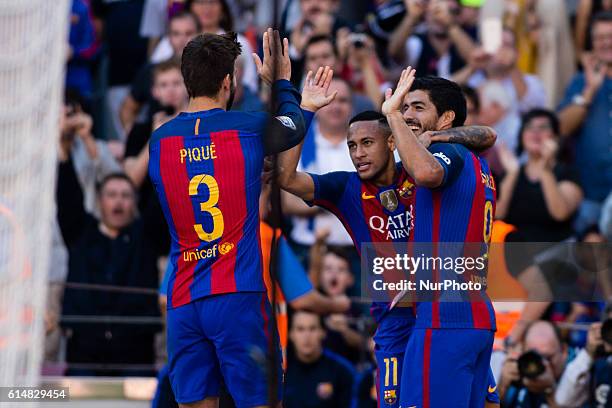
227 82
446 120
391 142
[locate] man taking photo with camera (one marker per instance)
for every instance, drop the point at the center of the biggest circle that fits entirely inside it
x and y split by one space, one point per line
532 371
588 378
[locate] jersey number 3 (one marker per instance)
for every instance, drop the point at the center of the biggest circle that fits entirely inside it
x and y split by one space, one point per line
209 206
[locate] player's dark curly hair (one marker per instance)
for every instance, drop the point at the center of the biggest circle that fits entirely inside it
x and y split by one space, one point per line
207 60
445 95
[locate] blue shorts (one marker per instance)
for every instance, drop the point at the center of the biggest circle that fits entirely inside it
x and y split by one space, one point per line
390 340
447 368
222 338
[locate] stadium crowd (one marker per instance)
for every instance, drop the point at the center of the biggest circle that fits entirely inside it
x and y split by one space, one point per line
546 90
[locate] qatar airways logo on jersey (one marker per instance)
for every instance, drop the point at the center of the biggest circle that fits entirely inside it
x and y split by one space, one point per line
394 226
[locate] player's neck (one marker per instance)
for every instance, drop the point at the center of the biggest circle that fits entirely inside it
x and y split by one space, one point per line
204 103
387 177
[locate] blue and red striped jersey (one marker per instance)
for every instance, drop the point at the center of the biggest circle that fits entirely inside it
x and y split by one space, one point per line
369 213
461 210
206 168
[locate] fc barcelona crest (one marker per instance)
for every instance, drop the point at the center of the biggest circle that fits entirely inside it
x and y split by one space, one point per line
390 397
389 200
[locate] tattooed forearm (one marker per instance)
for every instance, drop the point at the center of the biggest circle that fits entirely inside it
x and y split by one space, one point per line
477 138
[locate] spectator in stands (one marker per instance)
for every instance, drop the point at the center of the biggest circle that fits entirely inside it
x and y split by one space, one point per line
525 91
215 17
117 249
540 196
516 390
361 66
155 19
320 51
315 377
82 49
444 46
585 12
244 98
126 51
330 272
324 150
587 380
585 112
317 18
182 27
497 111
92 161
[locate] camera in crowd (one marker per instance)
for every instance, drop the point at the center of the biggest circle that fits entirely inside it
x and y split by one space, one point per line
531 365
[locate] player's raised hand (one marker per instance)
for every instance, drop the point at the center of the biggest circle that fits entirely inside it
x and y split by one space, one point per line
393 100
315 93
276 53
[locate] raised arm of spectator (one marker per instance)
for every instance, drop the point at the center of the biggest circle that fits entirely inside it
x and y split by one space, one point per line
71 213
422 166
573 388
137 167
367 60
583 14
415 10
314 96
579 95
512 167
461 40
128 112
562 197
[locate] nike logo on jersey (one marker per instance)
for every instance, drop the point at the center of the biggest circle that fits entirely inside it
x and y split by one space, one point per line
492 389
366 196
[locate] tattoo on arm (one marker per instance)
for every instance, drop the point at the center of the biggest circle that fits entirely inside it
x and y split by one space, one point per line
476 138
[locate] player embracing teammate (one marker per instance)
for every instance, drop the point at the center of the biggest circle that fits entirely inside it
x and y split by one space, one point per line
413 369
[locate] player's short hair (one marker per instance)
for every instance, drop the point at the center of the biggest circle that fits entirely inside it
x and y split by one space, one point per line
227 20
185 14
165 66
445 95
320 38
207 60
115 176
369 116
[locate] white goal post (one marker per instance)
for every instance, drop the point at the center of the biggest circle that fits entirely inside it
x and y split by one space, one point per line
33 44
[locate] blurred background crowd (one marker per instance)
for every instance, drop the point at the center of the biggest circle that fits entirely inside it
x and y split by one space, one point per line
546 90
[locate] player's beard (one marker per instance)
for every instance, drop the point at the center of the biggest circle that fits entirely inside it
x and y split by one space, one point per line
230 101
